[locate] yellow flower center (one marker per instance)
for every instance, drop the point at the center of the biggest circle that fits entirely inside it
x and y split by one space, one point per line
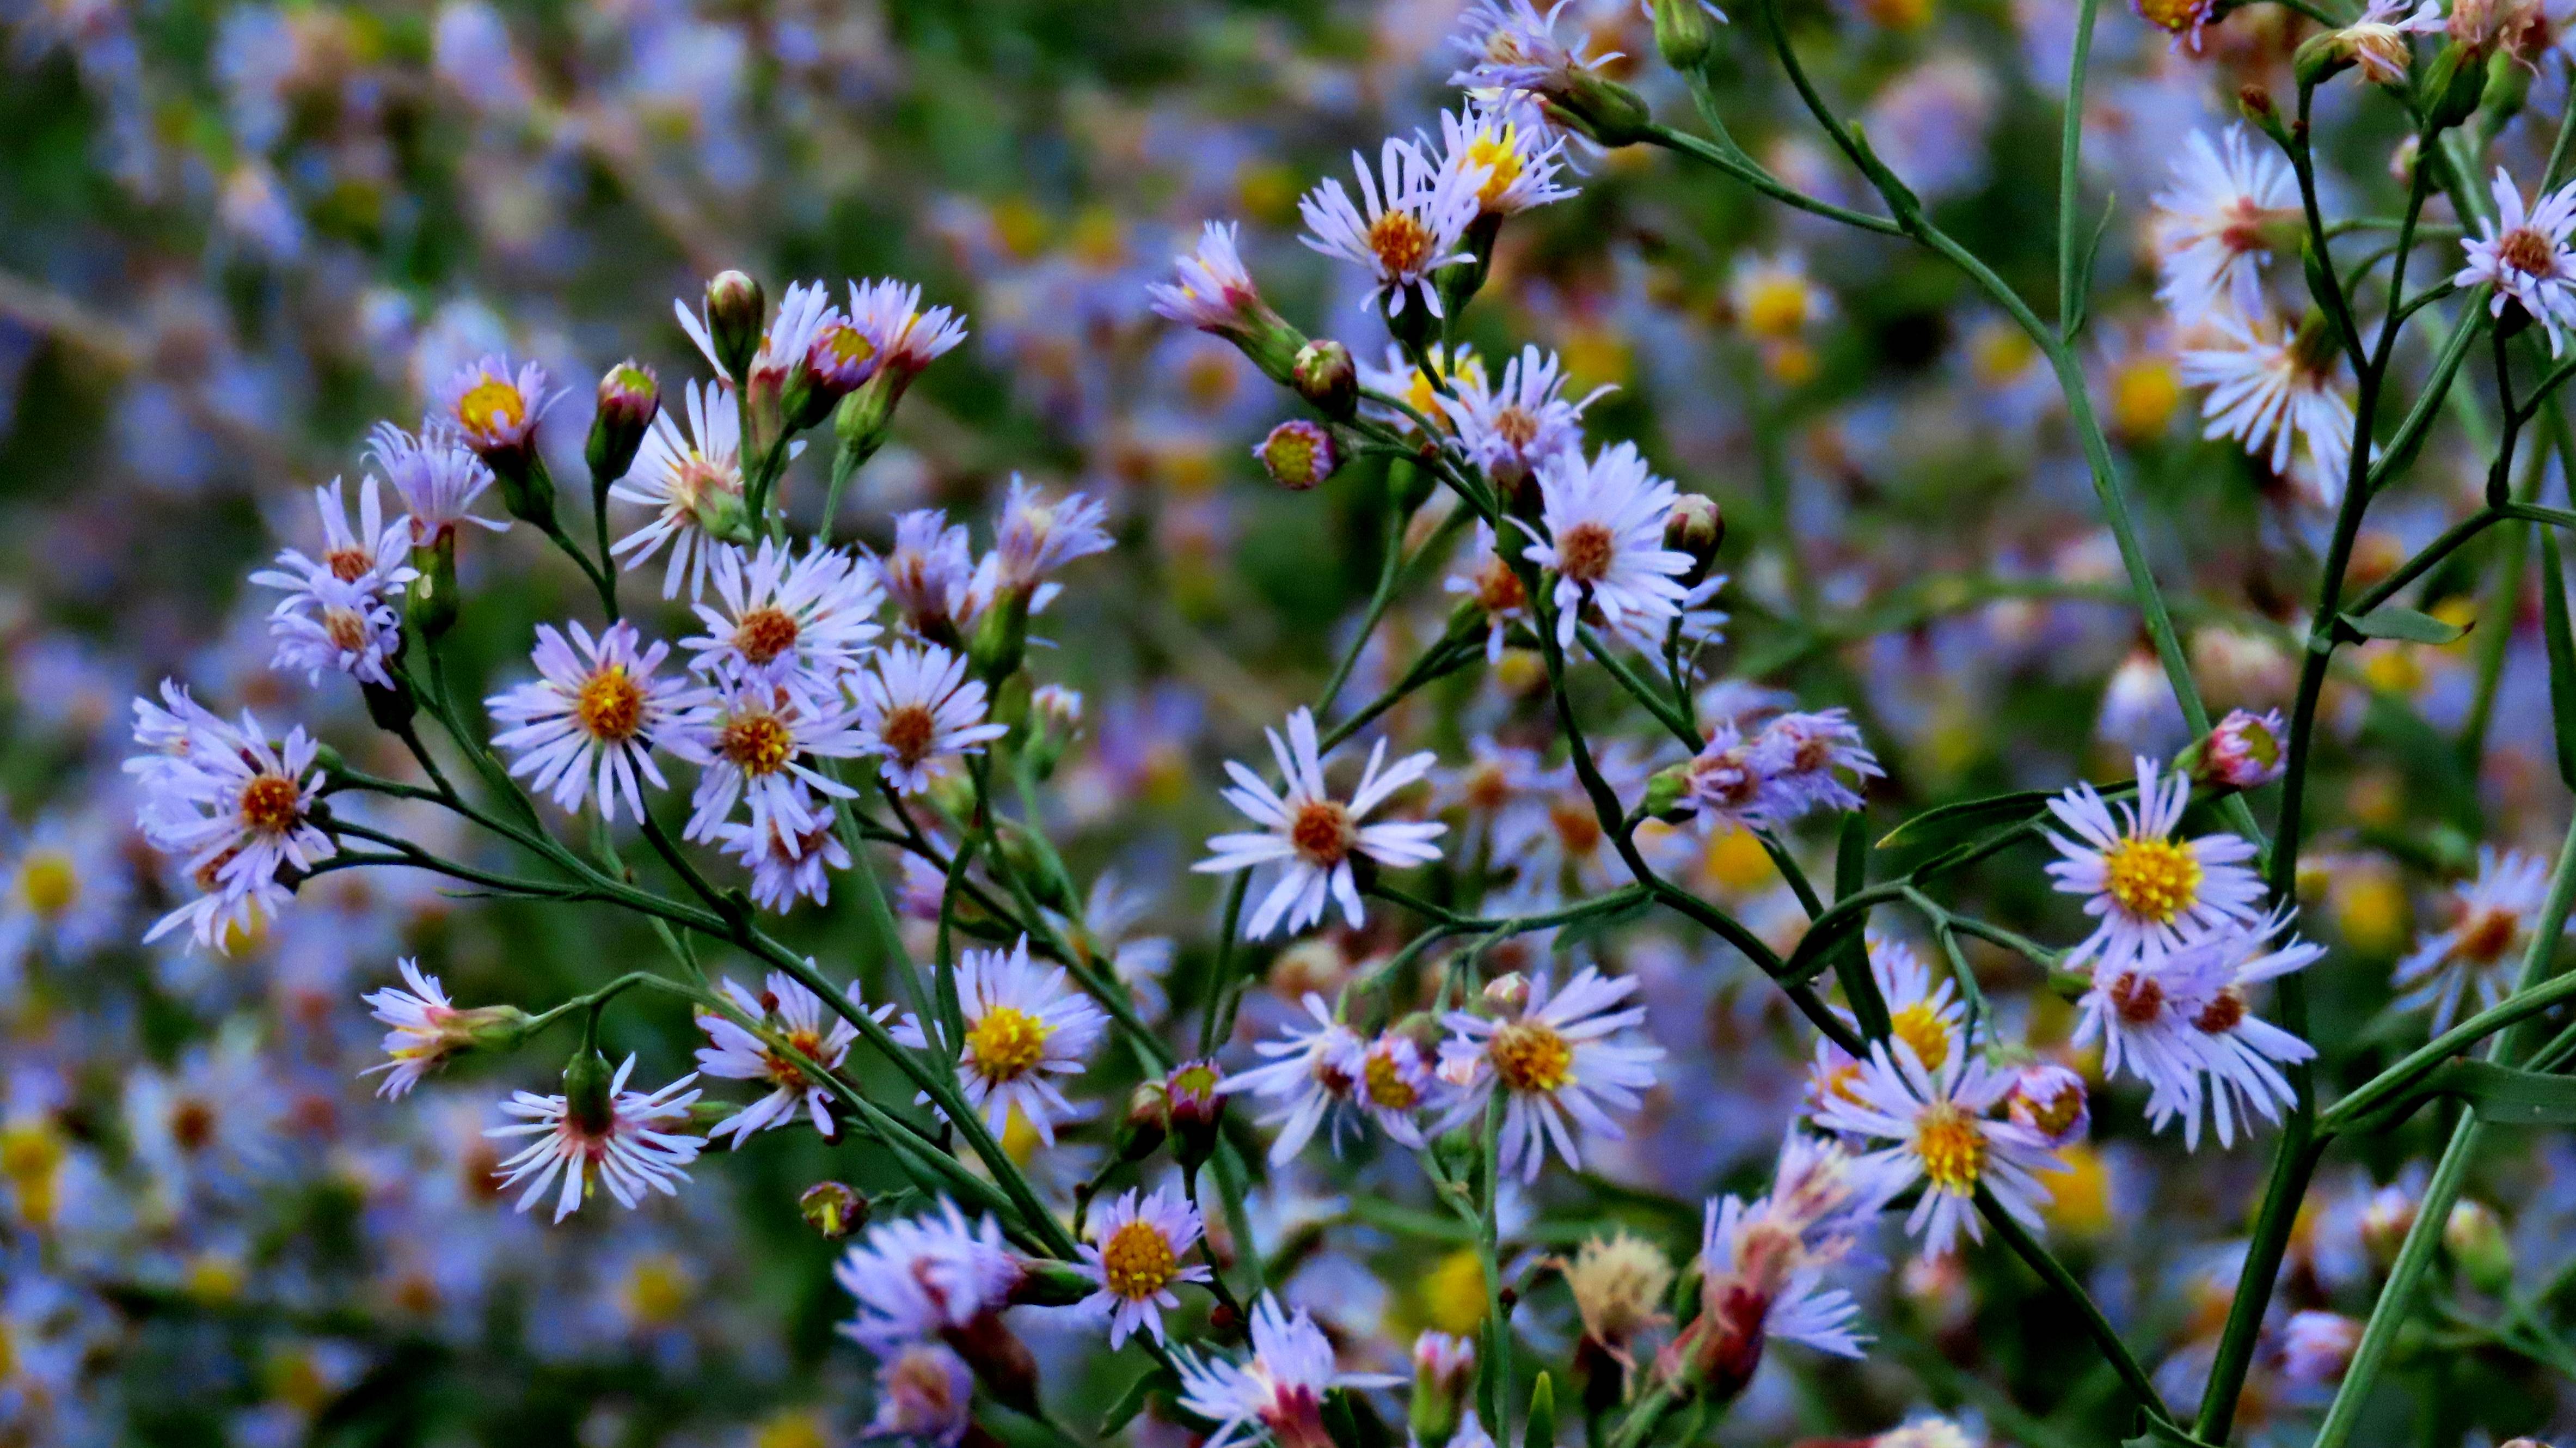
1322 833
1531 1057
2144 393
48 881
1402 244
611 706
1499 152
1138 1262
1386 1085
657 1290
2056 1114
271 804
1775 306
758 744
2151 879
765 633
846 346
2176 16
1953 1147
491 406
1921 1027
1007 1043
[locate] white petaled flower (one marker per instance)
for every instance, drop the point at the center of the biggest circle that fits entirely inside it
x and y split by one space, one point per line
2227 208
373 556
752 740
2182 1024
787 864
438 477
1039 535
1814 751
907 339
1416 213
1509 142
917 710
324 623
1280 1392
1395 1082
1510 429
1922 1011
1604 539
929 570
1134 1257
1943 1137
427 1028
795 1014
625 1151
1554 1062
1752 1269
2272 391
1312 1070
241 811
693 481
924 1393
1024 1023
2149 890
802 622
595 713
2376 43
1511 46
1311 836
1487 577
492 408
1728 784
917 1277
2495 915
2524 255
1211 289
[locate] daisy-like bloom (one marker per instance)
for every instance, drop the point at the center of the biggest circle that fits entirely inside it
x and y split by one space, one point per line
917 710
694 481
1395 1082
921 1277
1280 1392
1487 577
372 556
1409 229
800 622
2272 390
2049 1099
754 739
621 1145
1809 755
1942 1136
1773 297
1554 1061
1509 430
1134 1257
796 1015
1311 836
428 1028
2493 918
1312 1070
2376 43
1418 389
1604 539
925 1393
1728 784
1511 46
1922 1011
1509 142
2242 1054
2525 257
594 712
1024 1022
2184 20
1212 291
324 623
888 314
241 811
2227 210
2148 889
1038 535
438 477
494 410
787 864
928 572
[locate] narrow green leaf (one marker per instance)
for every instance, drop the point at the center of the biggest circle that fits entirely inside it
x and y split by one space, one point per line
1943 823
1540 1431
2079 294
2562 653
2156 1433
2405 624
1818 947
2503 1096
1851 856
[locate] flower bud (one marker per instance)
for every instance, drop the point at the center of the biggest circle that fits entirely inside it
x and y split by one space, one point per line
2255 104
2508 85
586 1090
2320 58
2476 1240
1196 1108
1598 108
1668 793
2316 1347
2385 1220
629 396
1148 1120
1324 375
527 488
2240 752
832 1209
1051 1284
1298 455
2452 87
1443 1369
1697 527
1683 33
1507 994
736 312
430 601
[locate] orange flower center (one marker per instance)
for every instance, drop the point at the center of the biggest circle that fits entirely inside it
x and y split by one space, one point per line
2486 936
610 707
1584 552
271 804
349 564
2222 1013
1952 1145
908 730
346 628
1386 1084
1531 1057
758 744
1138 1262
1401 243
1322 833
764 634
2139 999
2526 251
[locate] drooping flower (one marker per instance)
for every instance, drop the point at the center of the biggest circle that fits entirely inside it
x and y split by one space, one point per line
2275 391
1311 1071
919 1277
1763 1265
795 1013
1280 1392
1555 1062
624 1149
802 622
1212 291
1604 539
2230 205
1134 1257
2494 916
1510 46
1039 535
1311 836
787 865
1941 1134
1024 1023
427 1028
1416 212
2148 890
594 715
917 710
928 572
2524 255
